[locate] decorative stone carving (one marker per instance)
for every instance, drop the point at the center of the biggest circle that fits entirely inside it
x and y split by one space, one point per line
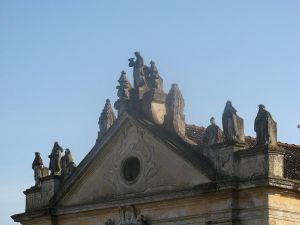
141 77
106 119
124 88
140 71
155 81
175 119
153 104
37 166
265 127
129 216
213 134
233 125
55 159
135 143
67 163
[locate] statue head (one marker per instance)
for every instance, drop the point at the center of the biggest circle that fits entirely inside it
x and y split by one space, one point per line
261 107
68 151
37 154
137 54
228 103
212 121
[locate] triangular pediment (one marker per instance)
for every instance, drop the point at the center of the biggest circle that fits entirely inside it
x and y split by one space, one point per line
133 161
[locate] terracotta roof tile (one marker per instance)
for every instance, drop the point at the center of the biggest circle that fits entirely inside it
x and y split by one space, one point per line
194 133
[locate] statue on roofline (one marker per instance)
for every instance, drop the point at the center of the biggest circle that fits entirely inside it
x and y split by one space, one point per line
265 127
140 71
37 166
233 125
67 163
55 159
213 134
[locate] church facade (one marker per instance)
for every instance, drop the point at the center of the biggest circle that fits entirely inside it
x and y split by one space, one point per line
149 167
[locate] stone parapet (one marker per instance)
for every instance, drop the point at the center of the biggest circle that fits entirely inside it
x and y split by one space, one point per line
260 161
38 198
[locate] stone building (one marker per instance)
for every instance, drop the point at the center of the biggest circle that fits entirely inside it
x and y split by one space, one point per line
149 167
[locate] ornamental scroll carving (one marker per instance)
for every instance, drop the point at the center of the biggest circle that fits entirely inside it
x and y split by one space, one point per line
133 142
129 216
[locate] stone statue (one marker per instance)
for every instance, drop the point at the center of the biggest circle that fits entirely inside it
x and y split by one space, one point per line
140 71
213 134
106 119
55 159
233 125
37 166
67 163
155 81
265 127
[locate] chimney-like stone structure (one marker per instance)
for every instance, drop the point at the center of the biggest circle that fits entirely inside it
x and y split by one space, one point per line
175 119
106 119
124 88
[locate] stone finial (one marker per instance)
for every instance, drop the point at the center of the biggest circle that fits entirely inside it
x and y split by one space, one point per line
213 134
124 88
154 80
55 159
265 127
37 166
233 125
106 119
67 163
175 119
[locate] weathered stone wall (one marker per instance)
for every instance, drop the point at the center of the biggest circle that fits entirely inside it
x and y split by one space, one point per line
161 169
38 198
211 207
284 207
39 221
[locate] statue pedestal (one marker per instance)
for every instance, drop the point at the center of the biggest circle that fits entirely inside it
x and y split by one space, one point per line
38 198
261 161
223 157
122 105
153 105
136 97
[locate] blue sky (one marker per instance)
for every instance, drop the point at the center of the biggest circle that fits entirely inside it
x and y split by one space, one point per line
60 60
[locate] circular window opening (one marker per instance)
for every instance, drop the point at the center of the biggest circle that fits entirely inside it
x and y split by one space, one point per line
131 169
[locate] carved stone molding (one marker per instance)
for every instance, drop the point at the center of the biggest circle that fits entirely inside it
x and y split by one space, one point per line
134 143
129 215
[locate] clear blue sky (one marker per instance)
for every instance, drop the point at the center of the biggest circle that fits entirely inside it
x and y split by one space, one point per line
60 60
